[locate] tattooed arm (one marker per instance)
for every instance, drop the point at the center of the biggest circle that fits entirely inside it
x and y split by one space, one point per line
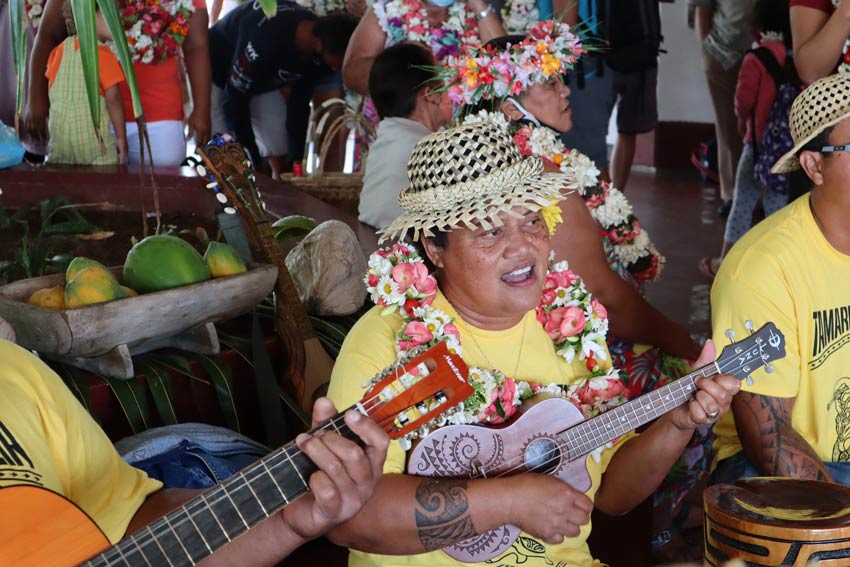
769 440
410 515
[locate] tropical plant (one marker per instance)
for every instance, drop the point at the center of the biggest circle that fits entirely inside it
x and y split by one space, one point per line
37 254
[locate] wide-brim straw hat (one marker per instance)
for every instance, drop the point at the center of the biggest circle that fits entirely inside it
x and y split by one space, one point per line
822 104
468 175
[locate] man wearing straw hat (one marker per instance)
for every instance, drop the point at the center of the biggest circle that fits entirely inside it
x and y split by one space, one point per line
476 212
794 269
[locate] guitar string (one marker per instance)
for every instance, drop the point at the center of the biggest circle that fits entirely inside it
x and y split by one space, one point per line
159 527
561 446
373 402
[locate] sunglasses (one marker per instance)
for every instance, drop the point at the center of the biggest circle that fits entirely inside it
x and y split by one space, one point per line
833 149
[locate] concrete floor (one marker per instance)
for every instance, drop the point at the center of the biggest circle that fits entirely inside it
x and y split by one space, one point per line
680 213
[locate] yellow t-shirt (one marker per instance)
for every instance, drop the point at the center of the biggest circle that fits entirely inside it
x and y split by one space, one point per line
47 439
785 271
525 351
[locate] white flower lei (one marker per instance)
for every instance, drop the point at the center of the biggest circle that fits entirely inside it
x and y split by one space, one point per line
519 16
323 7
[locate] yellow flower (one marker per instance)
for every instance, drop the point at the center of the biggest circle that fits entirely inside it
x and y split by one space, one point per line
552 216
550 64
557 159
542 47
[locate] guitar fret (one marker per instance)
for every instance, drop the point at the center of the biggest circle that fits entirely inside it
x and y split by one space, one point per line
279 489
178 538
200 533
235 507
297 470
254 494
159 545
212 513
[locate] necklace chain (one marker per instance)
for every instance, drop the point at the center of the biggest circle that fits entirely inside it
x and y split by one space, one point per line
519 354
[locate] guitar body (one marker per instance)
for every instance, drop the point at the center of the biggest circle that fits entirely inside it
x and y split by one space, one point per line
39 528
530 442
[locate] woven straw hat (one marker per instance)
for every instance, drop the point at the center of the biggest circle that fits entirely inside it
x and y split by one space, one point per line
824 103
470 173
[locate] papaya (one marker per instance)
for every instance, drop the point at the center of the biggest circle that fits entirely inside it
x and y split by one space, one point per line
91 286
222 260
162 262
49 298
79 264
130 292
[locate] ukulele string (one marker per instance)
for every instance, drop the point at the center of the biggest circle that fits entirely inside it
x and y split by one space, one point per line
562 447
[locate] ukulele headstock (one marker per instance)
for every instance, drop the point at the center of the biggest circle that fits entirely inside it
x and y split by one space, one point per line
232 176
760 348
407 396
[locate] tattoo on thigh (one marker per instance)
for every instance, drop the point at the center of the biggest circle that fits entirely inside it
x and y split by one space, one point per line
442 513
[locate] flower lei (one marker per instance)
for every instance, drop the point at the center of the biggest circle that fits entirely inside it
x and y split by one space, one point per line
34 9
483 73
577 323
407 20
844 66
323 7
608 205
519 16
156 29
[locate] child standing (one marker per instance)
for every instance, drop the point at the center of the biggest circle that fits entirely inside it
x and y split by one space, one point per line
72 135
754 97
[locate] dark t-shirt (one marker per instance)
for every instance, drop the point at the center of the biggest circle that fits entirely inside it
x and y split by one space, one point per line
252 54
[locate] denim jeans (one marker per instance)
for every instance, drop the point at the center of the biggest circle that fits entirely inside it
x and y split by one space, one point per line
738 466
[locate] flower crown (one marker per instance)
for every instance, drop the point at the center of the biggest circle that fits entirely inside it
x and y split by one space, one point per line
486 73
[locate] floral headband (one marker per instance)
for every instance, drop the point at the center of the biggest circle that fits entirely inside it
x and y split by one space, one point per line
486 73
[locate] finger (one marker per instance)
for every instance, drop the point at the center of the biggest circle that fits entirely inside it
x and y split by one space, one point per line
358 467
323 410
376 439
696 413
556 539
327 494
707 355
317 450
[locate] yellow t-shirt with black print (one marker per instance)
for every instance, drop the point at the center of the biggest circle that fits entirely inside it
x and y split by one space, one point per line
48 440
784 270
369 348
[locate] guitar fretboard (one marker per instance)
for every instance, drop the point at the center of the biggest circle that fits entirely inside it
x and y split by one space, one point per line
593 433
194 531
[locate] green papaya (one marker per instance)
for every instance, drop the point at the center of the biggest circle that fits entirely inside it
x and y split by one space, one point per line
222 260
163 262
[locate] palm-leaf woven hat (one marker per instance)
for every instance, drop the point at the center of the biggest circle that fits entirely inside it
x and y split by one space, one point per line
466 176
824 103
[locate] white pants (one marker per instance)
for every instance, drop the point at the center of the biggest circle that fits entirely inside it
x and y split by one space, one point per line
268 119
168 143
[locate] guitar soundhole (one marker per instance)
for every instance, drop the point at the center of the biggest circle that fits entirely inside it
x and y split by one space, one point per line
542 455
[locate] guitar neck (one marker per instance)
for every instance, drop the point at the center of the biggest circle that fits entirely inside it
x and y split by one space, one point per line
194 531
596 432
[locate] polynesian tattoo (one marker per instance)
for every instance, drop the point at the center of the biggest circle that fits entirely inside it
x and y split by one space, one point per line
442 513
783 451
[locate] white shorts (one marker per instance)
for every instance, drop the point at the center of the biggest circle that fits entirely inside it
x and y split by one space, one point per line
268 119
168 143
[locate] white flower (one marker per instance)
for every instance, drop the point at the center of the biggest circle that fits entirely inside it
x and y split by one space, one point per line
637 249
497 118
614 211
380 266
388 291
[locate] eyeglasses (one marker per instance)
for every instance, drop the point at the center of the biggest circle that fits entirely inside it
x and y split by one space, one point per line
832 149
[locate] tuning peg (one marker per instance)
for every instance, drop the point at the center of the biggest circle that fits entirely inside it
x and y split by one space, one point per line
768 368
730 334
748 325
749 380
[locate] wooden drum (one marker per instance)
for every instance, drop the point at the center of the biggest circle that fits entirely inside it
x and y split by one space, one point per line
770 521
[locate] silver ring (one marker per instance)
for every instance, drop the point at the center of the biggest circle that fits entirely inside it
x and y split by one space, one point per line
712 415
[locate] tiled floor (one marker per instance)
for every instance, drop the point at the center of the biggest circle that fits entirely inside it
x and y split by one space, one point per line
680 213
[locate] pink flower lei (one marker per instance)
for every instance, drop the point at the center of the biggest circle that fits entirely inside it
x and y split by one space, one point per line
576 322
156 29
407 20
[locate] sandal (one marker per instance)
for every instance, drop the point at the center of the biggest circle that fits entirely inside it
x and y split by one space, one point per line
709 266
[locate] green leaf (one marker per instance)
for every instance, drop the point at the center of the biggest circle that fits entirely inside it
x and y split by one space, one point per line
109 11
269 7
131 398
222 378
331 335
75 382
70 227
19 48
84 18
159 385
240 346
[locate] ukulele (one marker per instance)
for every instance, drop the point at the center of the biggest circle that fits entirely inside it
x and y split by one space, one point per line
231 177
552 437
46 530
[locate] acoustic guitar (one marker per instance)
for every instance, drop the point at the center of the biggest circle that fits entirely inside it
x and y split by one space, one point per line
39 528
552 437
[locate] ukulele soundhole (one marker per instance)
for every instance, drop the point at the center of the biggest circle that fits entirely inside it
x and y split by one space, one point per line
542 455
